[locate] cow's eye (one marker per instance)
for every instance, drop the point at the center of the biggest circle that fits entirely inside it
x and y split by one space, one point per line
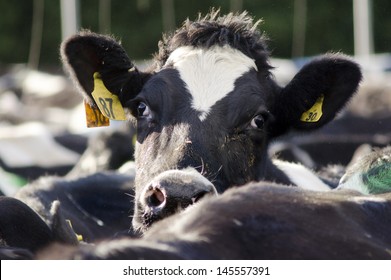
258 122
143 110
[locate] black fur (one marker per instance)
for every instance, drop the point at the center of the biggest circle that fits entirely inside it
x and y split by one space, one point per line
334 75
263 221
98 205
87 53
21 229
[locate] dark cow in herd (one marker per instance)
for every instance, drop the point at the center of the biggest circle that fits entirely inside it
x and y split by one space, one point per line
205 114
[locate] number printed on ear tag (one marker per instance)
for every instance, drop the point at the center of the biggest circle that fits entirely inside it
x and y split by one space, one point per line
94 118
315 113
108 103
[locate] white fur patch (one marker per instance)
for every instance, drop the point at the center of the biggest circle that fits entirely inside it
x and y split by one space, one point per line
354 183
301 176
210 73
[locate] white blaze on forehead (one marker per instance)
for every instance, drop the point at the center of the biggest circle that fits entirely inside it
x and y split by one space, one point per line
209 73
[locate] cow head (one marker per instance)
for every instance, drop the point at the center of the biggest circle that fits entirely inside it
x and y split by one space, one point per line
210 105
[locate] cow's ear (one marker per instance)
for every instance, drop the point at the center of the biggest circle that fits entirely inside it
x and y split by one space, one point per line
87 53
316 93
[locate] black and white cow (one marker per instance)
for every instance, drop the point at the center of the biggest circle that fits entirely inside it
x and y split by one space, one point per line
209 108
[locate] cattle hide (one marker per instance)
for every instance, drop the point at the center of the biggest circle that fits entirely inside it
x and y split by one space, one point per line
262 221
98 206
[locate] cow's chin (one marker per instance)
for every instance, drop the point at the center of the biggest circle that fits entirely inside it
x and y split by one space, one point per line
169 193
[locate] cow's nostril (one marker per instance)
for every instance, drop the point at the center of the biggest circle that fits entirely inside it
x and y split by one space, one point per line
155 197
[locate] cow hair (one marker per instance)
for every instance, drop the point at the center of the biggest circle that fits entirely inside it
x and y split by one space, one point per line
239 31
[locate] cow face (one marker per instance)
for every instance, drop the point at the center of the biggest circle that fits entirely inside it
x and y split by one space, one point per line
211 105
208 109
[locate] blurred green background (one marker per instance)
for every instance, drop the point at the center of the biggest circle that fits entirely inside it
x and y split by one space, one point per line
140 23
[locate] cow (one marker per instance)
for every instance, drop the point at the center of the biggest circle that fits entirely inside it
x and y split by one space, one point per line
208 108
260 220
67 211
352 219
369 173
97 206
270 221
22 231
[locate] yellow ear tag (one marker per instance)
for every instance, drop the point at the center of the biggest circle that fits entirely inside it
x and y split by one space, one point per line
78 236
315 113
108 103
94 118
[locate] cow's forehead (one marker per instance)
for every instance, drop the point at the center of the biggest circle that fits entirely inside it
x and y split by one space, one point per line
209 73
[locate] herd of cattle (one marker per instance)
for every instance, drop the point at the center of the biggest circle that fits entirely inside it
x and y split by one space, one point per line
217 161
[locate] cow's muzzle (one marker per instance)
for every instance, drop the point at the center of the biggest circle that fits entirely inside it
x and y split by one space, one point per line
171 192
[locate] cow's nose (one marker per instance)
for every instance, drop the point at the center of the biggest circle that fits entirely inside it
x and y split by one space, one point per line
173 191
155 197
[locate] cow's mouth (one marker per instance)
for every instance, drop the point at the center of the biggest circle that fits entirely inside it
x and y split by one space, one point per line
149 218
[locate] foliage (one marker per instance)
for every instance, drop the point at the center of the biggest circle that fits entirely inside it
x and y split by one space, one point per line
138 23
